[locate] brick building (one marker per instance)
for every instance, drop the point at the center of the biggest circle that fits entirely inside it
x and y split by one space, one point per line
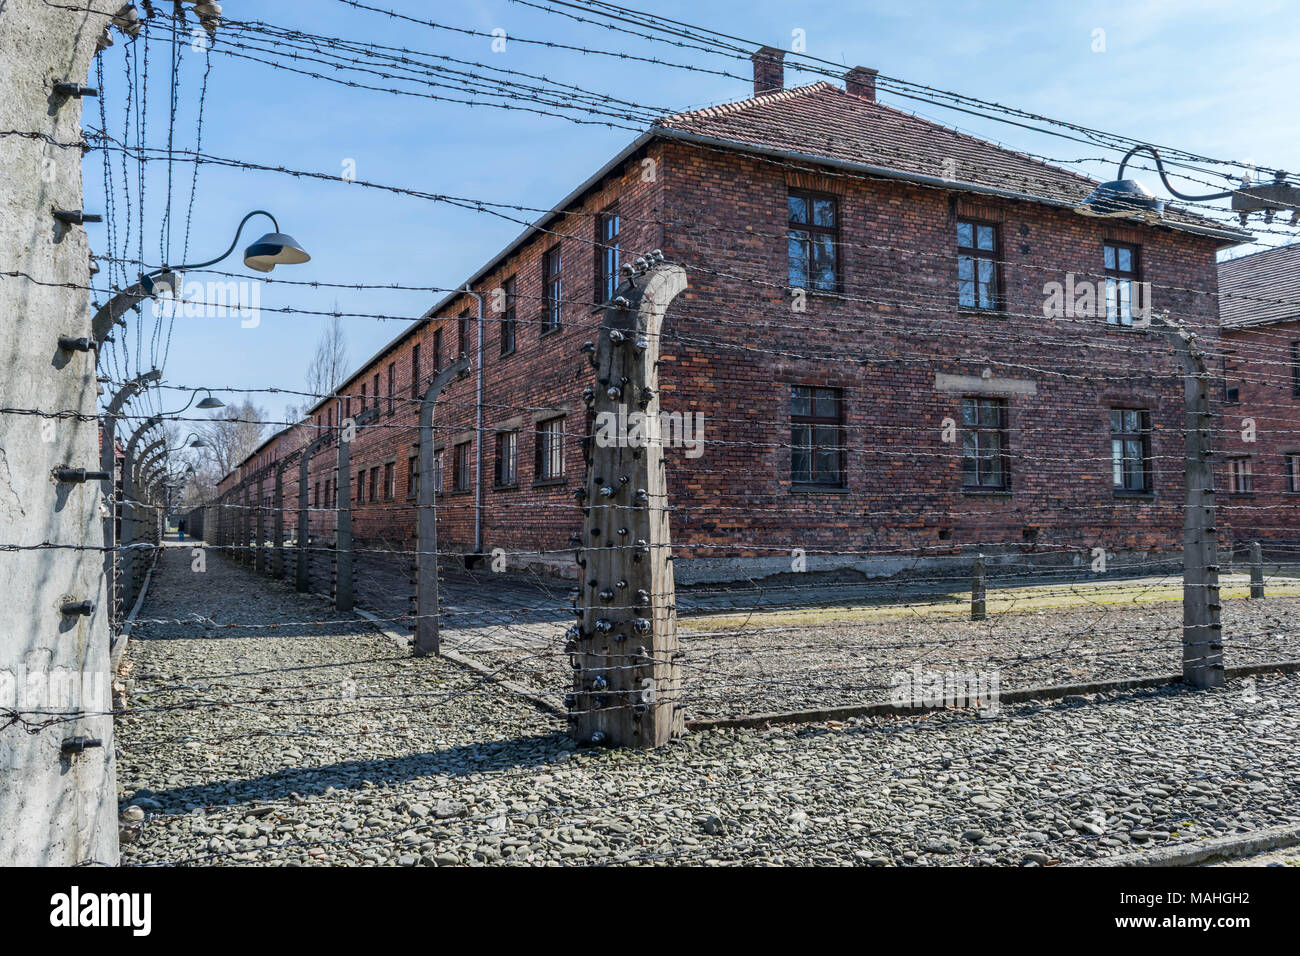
865 331
1260 480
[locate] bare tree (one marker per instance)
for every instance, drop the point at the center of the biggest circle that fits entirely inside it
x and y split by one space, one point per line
231 435
330 363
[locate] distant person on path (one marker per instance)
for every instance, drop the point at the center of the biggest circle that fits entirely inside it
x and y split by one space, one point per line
180 527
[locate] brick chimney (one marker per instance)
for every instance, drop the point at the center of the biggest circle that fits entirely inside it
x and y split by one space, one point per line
769 70
861 81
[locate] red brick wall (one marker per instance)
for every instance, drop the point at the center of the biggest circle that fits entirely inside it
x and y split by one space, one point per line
1258 362
733 346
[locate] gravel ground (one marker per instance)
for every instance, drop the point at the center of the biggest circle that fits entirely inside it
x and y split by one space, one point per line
320 742
826 657
759 669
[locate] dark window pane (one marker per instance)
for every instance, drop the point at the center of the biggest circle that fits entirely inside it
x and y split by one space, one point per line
965 234
824 263
824 212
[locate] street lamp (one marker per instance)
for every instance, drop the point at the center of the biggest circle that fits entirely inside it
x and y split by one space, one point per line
273 249
1127 198
197 443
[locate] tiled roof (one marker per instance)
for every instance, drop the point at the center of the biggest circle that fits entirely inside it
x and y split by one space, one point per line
823 120
1260 288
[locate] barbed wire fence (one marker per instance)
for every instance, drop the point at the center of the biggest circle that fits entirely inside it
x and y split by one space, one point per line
847 611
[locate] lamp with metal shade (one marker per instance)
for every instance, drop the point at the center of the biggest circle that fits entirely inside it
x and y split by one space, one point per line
1128 199
1122 199
274 249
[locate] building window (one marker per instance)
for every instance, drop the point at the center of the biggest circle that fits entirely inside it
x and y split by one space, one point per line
415 371
437 473
363 396
1293 473
984 456
1122 277
607 253
978 287
315 495
460 468
375 382
374 484
1240 476
508 316
813 242
1231 394
507 473
437 349
552 291
549 465
413 474
462 334
361 486
816 442
1295 369
1130 450
392 387
390 480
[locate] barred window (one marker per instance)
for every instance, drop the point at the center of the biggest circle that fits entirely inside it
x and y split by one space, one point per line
1130 449
507 474
816 436
1293 473
549 463
1241 478
460 468
985 464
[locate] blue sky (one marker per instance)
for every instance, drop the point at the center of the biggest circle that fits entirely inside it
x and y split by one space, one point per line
1197 75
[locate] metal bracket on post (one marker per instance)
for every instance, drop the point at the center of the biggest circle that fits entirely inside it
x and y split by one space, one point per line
426 523
624 647
1202 629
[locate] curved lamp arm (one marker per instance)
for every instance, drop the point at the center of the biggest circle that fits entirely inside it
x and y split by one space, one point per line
1160 168
233 243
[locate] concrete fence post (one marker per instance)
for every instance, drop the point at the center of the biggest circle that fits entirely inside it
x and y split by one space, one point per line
58 793
426 629
624 649
978 586
344 553
302 576
1202 629
277 519
260 529
1256 570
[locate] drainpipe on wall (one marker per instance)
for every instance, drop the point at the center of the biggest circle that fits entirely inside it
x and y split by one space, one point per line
478 429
